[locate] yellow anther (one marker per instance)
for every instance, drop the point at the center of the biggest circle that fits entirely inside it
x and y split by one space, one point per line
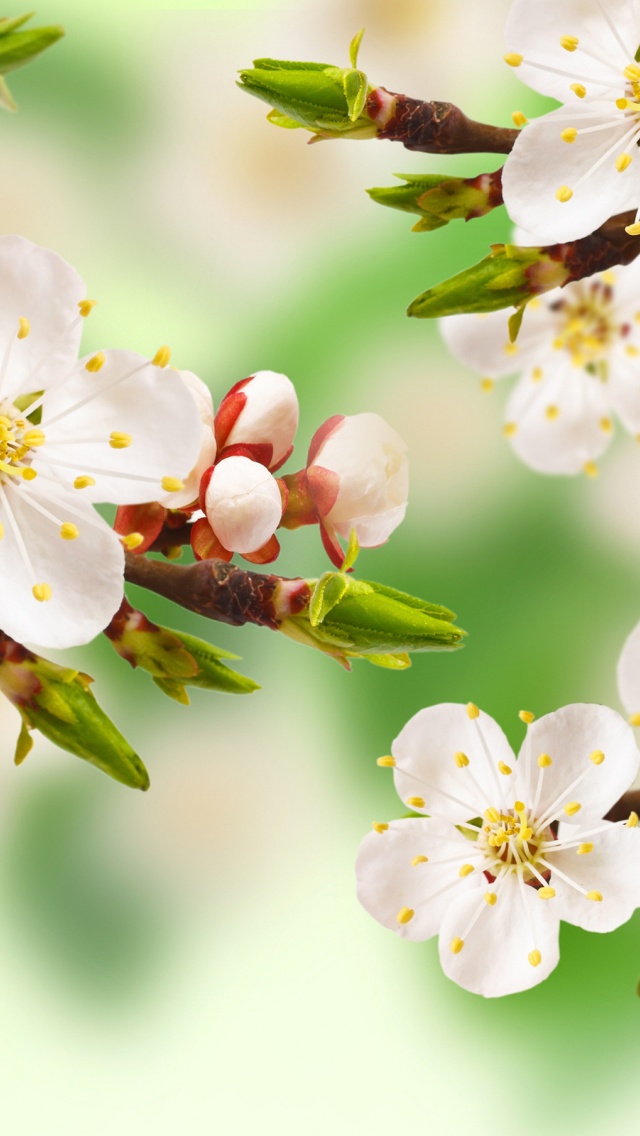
386 762
623 161
83 482
162 356
633 820
34 438
564 194
491 898
534 304
415 802
492 815
505 769
172 484
535 958
174 552
608 278
472 710
466 870
622 104
29 473
41 592
634 720
511 348
632 72
85 307
591 469
519 807
632 351
487 385
519 119
569 43
419 860
526 716
579 89
133 540
119 441
24 327
405 915
606 425
513 59
633 230
594 896
546 893
597 757
509 429
572 808
68 531
570 134
537 374
380 828
461 760
525 834
456 946
585 849
96 362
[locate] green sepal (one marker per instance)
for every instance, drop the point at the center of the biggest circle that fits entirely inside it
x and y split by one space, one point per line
211 672
24 745
173 690
352 553
390 662
515 323
327 593
12 23
354 48
277 119
355 89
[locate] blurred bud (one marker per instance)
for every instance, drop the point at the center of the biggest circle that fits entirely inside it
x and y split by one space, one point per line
173 659
258 419
58 702
357 478
439 199
509 277
329 101
349 618
243 505
19 47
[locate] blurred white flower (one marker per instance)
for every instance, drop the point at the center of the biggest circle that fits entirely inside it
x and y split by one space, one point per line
575 167
258 418
115 427
629 676
243 504
578 354
508 848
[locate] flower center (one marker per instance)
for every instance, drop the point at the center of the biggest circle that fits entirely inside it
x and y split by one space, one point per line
586 327
18 441
512 842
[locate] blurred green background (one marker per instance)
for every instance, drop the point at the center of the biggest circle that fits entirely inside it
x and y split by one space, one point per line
194 960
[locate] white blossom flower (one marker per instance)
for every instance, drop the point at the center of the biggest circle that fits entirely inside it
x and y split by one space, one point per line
243 504
509 847
629 676
575 167
114 427
578 357
259 418
358 478
207 455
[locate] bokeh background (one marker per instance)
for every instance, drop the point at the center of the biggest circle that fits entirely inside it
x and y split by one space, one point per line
194 960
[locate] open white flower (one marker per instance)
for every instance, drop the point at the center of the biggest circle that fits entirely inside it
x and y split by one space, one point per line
509 847
574 168
578 355
114 427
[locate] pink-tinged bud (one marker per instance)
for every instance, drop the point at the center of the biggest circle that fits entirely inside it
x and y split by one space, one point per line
243 504
259 418
207 456
358 477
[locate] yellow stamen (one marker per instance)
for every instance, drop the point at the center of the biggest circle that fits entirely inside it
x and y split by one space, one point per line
34 438
511 348
633 820
380 828
68 531
28 474
634 720
510 429
632 72
570 134
519 119
633 230
456 946
606 425
537 374
546 893
415 802
86 307
386 762
83 482
623 161
597 757
564 194
461 760
162 356
405 915
119 441
513 59
535 958
491 898
519 806
466 870
487 385
572 808
472 710
622 104
96 363
609 277
595 896
585 849
526 716
24 328
632 351
579 89
174 552
569 43
172 484
591 469
492 815
41 592
419 860
505 769
133 540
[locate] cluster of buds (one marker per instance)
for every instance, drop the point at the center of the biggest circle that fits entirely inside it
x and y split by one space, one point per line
355 479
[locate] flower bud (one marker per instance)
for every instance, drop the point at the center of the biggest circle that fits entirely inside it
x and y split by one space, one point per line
259 416
438 199
243 504
358 479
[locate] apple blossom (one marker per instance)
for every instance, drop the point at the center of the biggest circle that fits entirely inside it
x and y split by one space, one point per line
258 418
578 357
243 504
506 848
575 167
113 427
204 403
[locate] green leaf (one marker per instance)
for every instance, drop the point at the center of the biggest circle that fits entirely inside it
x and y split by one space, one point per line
17 49
509 277
390 662
278 119
328 592
355 89
515 323
352 553
12 23
354 48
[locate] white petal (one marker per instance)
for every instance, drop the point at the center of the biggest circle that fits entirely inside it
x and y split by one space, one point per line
389 881
243 504
495 958
623 386
201 394
37 285
207 455
270 414
85 575
565 443
375 530
426 768
482 341
152 405
629 673
612 870
540 163
569 736
626 290
535 30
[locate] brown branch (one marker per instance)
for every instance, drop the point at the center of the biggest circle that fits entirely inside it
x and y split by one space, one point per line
438 128
170 537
